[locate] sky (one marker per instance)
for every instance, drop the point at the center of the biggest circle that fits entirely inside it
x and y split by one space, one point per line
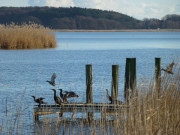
138 9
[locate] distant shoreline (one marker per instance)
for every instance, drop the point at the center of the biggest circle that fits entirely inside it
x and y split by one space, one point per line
130 30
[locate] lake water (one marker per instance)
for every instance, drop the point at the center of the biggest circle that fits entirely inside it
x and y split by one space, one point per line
23 72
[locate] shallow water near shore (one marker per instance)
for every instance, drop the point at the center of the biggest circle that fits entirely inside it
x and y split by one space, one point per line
23 72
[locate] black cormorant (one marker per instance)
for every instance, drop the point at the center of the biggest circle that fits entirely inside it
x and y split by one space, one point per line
52 82
108 96
63 97
113 101
70 94
39 100
56 98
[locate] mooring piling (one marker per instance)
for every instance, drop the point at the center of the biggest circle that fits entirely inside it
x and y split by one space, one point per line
158 77
89 89
130 84
115 81
89 84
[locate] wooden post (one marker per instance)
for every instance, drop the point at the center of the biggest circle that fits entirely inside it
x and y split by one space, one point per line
158 76
89 89
60 114
89 84
130 84
36 117
115 81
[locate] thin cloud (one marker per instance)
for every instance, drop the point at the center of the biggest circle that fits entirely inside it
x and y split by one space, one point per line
137 9
52 3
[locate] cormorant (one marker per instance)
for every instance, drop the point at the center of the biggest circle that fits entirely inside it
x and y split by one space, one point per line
39 100
70 94
112 100
63 96
52 82
169 68
56 98
108 96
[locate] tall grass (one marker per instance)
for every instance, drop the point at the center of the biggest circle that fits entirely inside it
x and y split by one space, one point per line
26 36
147 114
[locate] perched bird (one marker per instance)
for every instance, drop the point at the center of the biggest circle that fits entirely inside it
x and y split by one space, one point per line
63 96
169 68
70 94
52 82
56 98
108 96
113 101
39 100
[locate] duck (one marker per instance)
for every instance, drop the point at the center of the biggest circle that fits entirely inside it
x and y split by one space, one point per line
169 68
52 82
56 98
39 100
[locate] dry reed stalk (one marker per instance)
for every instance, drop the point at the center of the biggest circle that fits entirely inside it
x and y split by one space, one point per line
32 36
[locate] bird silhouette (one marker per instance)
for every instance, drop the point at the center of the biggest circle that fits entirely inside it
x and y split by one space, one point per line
169 68
63 97
56 98
39 100
70 94
52 82
108 96
112 101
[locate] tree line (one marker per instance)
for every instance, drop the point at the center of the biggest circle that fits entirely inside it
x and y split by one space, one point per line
83 18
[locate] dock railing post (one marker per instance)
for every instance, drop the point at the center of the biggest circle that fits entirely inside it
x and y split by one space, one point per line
36 116
130 83
89 88
115 81
158 77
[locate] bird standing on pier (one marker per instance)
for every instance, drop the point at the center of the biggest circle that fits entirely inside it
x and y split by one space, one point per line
169 68
70 94
63 96
52 82
39 100
113 101
56 98
108 96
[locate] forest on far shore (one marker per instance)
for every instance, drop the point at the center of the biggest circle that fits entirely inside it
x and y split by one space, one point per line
83 19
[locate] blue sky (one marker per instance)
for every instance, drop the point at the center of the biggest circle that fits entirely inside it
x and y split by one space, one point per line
139 9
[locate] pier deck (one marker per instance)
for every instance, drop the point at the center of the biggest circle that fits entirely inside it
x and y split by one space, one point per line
77 107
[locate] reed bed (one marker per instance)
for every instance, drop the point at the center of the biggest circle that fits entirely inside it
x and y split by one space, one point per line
147 114
26 36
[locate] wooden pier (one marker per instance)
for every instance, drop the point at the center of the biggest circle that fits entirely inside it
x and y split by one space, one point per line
77 107
90 107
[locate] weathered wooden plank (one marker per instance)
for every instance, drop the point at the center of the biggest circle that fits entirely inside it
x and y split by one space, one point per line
83 105
44 111
78 107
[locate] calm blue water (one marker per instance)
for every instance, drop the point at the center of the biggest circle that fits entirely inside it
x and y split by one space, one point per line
117 40
23 72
